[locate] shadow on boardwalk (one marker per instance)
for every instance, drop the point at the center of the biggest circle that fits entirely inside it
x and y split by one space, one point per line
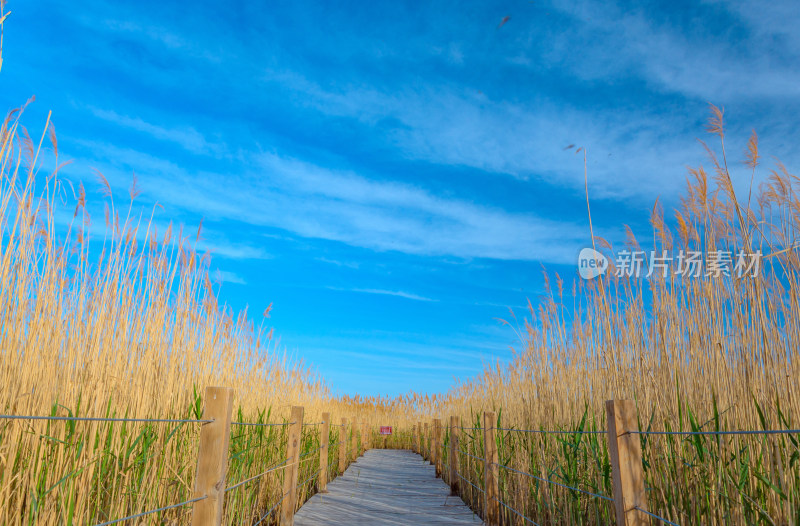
386 486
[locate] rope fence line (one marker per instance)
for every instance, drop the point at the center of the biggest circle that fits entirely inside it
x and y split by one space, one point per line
756 432
101 419
255 424
271 469
471 455
269 511
470 483
316 473
212 453
662 519
520 515
150 512
599 496
304 455
552 432
593 432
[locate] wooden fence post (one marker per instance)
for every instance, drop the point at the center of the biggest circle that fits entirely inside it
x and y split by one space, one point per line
325 438
343 447
425 447
437 446
625 450
454 455
354 439
293 463
419 439
212 457
491 470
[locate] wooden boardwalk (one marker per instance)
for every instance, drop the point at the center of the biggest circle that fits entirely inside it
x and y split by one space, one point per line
386 486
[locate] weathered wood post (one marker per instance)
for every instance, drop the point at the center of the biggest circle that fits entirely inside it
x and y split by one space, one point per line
324 438
419 439
293 462
625 450
343 447
433 443
354 439
437 446
426 455
453 455
364 444
491 470
212 457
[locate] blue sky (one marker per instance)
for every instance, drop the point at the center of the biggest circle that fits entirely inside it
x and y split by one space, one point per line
393 176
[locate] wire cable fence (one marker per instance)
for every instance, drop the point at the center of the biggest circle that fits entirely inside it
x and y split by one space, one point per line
314 475
471 455
213 454
269 511
515 512
654 516
256 424
599 496
150 512
470 483
307 453
270 470
744 432
55 418
501 486
553 432
104 419
634 463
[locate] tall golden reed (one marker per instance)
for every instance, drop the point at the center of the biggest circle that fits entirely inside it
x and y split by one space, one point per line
696 354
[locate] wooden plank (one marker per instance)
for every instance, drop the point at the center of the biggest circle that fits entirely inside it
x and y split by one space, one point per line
290 477
625 451
387 487
491 470
324 438
212 456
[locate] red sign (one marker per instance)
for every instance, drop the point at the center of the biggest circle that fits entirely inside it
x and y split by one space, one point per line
386 430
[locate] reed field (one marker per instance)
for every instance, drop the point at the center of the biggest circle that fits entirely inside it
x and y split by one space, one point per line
695 354
109 317
133 330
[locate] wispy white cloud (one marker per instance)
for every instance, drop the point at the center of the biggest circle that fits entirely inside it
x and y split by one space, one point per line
398 293
341 205
187 137
229 277
235 251
619 42
445 125
347 264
